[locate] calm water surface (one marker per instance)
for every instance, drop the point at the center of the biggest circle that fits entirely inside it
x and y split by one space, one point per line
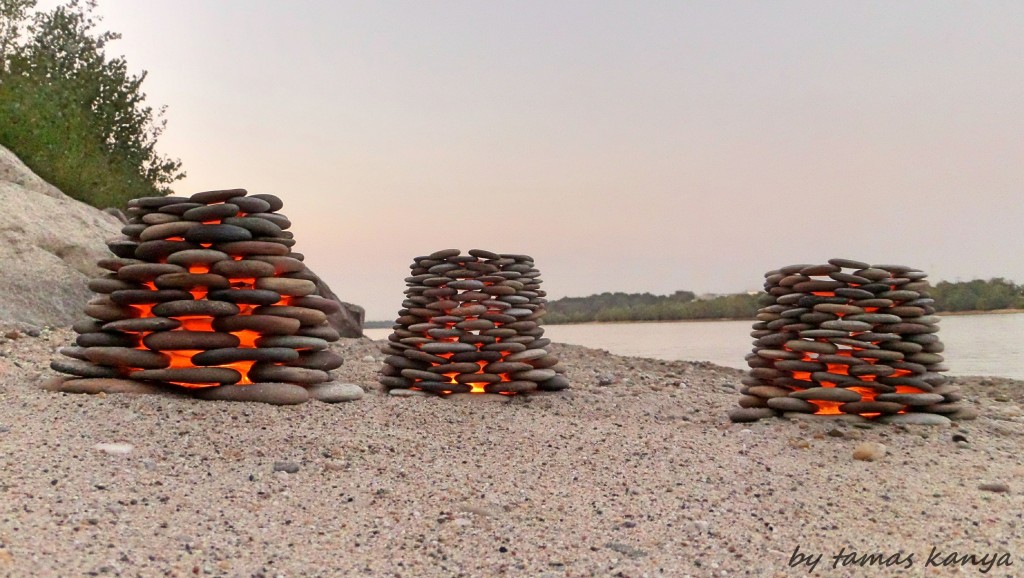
975 344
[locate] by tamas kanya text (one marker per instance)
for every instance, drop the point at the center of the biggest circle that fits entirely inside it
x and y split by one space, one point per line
937 558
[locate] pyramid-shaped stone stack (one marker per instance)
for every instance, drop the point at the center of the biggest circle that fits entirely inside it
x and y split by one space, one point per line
204 291
848 339
470 324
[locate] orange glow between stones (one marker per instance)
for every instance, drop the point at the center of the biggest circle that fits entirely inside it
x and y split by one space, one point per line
827 407
196 323
867 394
242 367
183 358
248 338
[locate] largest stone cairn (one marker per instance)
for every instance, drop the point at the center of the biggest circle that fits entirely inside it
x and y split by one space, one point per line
205 293
470 324
851 340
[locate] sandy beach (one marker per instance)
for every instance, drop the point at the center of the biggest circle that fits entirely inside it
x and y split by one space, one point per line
642 477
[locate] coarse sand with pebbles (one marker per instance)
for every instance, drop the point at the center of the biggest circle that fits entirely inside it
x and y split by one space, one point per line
642 475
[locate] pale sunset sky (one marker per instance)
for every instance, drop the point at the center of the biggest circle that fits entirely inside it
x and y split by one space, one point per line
627 146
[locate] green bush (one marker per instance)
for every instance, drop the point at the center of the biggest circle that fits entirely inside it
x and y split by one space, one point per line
56 140
74 115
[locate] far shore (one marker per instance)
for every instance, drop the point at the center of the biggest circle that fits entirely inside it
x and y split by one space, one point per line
750 319
714 319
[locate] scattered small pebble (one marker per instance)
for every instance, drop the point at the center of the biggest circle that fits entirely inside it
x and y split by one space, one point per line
626 550
115 449
869 451
408 393
836 433
997 487
334 392
287 467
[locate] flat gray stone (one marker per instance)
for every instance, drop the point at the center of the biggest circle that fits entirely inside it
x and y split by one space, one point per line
861 407
107 339
279 373
276 204
197 257
218 375
911 398
217 233
166 230
264 392
285 286
143 324
242 269
245 248
511 387
199 308
915 419
218 196
300 342
536 375
185 340
750 414
792 404
146 272
80 368
125 356
235 354
250 204
306 316
154 251
556 383
189 281
245 296
282 266
146 296
408 393
102 385
446 347
263 324
334 392
325 360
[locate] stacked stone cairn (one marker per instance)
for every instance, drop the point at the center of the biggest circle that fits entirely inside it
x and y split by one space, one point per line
850 340
470 324
204 294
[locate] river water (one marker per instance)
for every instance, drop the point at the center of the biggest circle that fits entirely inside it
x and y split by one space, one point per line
975 344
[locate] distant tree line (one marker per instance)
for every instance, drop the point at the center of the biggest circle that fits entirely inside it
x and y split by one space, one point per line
977 295
647 307
73 114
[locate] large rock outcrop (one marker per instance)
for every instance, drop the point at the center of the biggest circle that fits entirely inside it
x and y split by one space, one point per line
49 246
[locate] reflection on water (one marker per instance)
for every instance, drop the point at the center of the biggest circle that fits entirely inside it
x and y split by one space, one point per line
975 344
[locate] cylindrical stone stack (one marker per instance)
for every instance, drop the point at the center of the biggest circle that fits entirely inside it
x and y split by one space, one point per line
848 339
205 291
470 324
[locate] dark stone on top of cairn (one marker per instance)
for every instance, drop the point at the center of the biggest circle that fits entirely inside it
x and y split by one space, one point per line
470 324
848 340
201 299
